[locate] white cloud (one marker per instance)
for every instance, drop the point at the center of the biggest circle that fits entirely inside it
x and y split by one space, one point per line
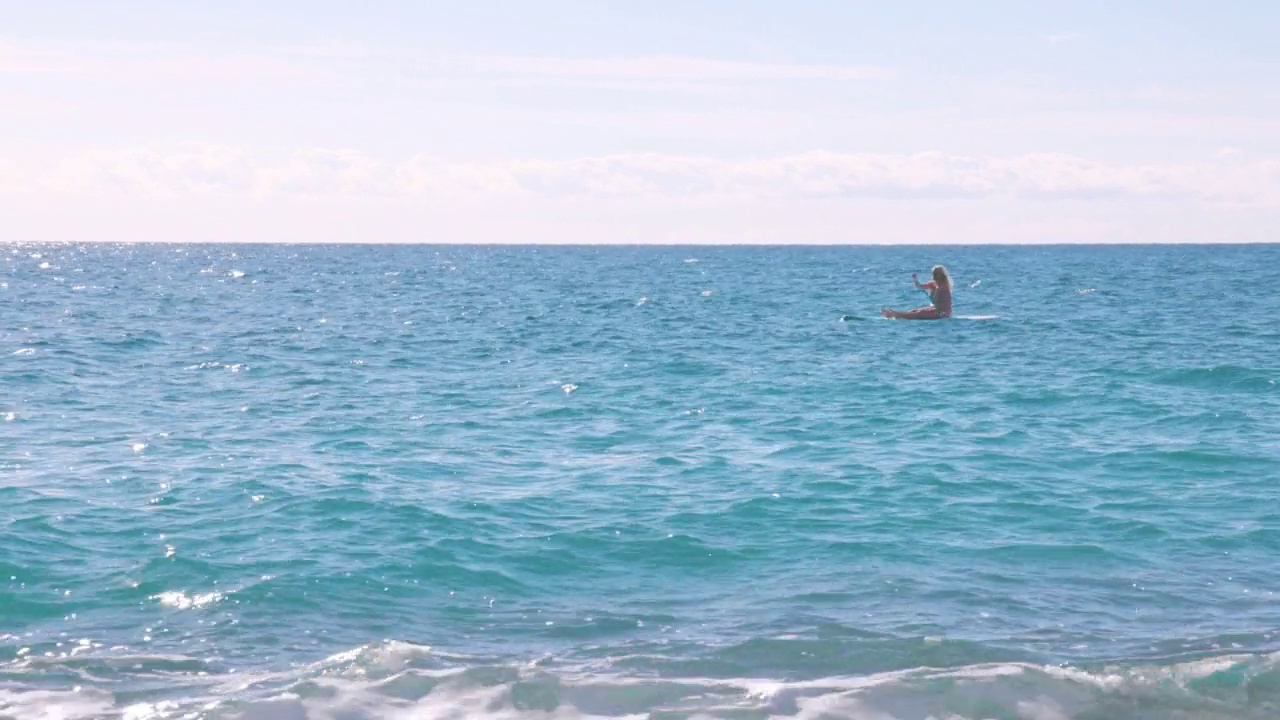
34 59
185 172
11 177
505 219
202 170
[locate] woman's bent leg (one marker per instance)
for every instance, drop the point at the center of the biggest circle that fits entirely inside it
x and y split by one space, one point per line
924 313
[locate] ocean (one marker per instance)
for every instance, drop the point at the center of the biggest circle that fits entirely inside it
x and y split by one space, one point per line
257 481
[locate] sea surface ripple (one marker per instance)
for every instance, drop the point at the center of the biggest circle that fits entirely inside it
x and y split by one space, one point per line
679 482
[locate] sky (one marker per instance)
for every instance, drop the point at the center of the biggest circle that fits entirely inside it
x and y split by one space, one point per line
689 121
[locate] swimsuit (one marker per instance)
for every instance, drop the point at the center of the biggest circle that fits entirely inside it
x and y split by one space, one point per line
933 300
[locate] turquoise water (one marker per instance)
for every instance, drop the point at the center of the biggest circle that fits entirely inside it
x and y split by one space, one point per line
349 482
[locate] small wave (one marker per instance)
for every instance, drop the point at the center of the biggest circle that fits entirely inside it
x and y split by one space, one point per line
186 601
407 680
74 704
233 367
1223 378
134 341
25 351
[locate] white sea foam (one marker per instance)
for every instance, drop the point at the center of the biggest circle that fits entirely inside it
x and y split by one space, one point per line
186 601
56 705
404 680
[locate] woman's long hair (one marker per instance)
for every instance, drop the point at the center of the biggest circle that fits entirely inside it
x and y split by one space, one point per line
941 276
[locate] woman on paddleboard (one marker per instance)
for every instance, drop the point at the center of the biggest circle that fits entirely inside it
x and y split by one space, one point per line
939 290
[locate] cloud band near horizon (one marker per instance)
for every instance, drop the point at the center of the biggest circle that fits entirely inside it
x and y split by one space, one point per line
201 171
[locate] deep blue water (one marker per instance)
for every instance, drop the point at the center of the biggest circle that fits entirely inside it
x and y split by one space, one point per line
370 481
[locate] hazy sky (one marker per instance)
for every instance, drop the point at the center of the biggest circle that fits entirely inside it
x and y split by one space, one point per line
655 121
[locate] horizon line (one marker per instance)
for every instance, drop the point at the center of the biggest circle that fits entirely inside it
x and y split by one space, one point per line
428 243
